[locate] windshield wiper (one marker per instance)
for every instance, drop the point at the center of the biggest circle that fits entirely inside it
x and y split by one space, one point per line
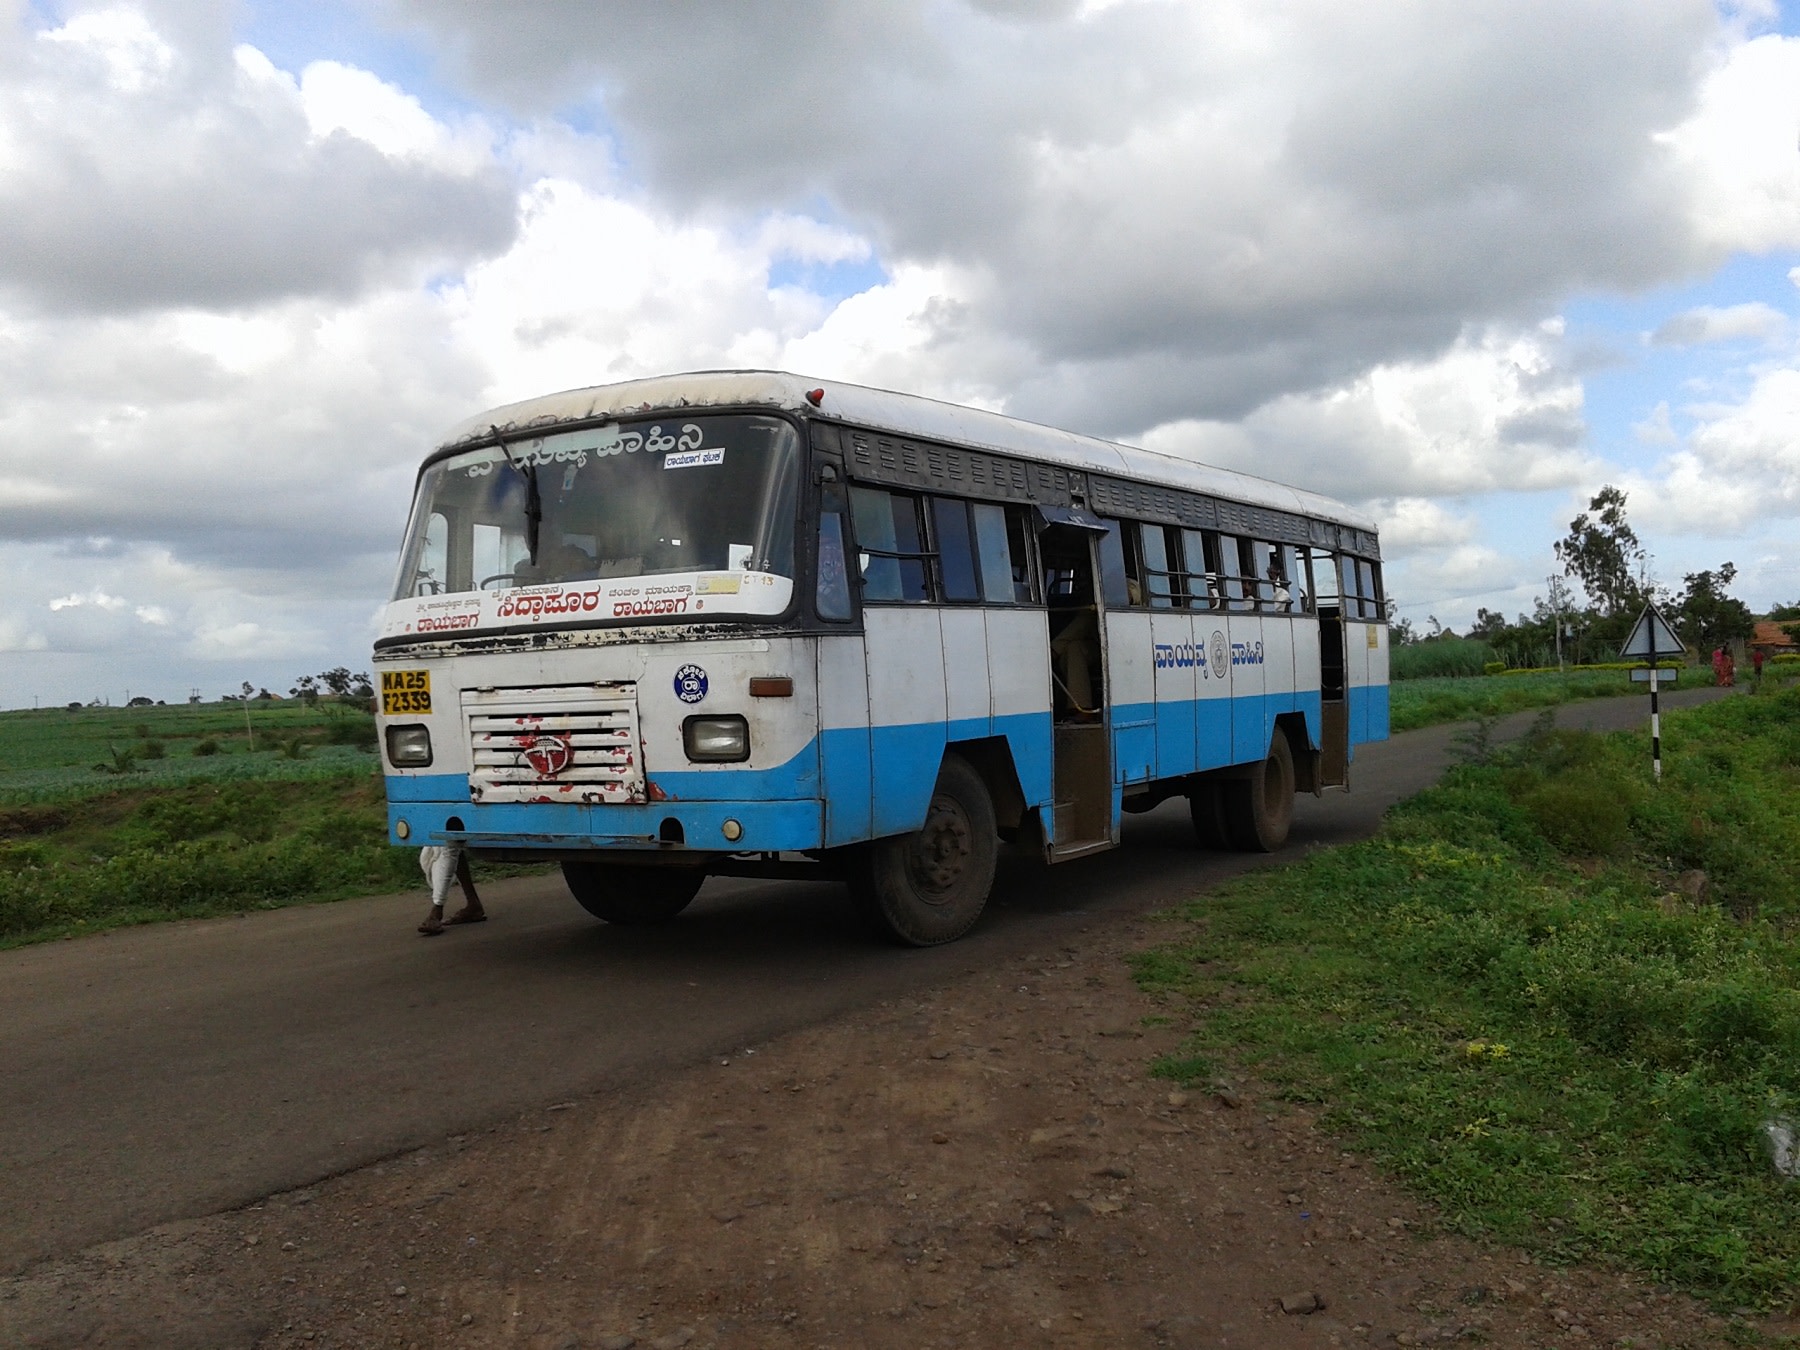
534 504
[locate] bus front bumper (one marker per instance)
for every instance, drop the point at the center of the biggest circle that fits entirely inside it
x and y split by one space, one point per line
436 810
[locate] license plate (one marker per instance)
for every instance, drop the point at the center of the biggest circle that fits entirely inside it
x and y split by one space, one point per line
405 691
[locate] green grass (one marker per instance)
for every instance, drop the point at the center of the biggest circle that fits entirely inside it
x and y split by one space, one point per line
135 855
54 754
1425 702
1500 999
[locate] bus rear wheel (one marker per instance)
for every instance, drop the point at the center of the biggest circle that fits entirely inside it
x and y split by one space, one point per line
1206 806
1259 803
632 895
930 886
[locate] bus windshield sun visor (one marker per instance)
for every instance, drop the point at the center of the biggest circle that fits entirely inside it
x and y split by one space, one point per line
1069 517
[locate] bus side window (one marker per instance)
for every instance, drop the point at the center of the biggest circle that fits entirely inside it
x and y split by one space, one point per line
1000 549
1131 544
955 549
1232 585
1159 580
1018 545
1323 567
832 596
891 553
1195 584
1115 582
1352 605
1272 585
1299 602
1367 587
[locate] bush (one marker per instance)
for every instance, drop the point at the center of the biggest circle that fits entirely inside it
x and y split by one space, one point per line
207 747
151 750
1494 668
1581 812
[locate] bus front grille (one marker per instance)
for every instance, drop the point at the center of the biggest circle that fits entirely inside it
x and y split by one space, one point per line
563 743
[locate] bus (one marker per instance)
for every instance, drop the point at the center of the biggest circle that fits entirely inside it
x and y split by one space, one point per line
745 623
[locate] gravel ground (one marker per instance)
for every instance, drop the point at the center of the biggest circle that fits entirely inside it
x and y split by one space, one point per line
986 1165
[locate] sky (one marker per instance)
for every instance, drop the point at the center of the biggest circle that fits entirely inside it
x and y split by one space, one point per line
1460 265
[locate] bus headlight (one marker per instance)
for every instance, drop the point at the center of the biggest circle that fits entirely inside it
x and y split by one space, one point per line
409 746
716 739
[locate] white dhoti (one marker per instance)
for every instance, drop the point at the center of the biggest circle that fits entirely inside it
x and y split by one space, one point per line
439 866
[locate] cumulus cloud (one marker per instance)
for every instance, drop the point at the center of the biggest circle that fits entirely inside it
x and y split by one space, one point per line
1497 412
1738 153
136 173
1711 323
1181 211
1739 465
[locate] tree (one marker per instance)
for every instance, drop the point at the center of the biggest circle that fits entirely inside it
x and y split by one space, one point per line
306 689
338 680
1705 616
1602 552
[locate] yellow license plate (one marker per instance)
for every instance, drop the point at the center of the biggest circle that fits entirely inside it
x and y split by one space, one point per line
405 691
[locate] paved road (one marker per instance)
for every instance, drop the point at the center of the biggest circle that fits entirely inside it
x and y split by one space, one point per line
178 1070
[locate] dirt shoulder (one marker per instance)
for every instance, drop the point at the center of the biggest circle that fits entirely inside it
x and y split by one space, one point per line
987 1165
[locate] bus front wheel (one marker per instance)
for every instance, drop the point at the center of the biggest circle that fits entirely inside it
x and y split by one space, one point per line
1259 803
930 886
632 895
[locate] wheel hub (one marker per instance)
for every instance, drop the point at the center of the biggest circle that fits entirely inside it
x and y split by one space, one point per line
942 850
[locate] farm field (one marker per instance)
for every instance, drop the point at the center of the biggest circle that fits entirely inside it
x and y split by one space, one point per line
113 816
1457 698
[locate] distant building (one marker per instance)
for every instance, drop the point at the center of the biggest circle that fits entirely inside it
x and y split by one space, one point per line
1772 640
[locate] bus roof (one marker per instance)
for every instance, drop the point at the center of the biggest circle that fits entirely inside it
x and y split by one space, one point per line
903 415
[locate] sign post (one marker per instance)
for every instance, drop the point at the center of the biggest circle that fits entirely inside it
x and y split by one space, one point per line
1651 636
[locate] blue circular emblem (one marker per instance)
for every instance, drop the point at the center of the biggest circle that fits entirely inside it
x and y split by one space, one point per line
690 684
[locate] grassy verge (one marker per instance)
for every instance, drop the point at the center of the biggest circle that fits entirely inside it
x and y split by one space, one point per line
1504 999
136 855
1426 702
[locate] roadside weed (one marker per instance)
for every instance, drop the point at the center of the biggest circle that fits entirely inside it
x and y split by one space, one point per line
1504 998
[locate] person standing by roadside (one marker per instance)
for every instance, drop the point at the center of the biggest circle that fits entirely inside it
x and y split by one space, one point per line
1756 664
440 865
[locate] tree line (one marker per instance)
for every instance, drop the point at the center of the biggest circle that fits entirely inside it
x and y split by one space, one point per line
1604 557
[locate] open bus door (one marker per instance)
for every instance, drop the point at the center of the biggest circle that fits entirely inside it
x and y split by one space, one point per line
1334 703
1081 733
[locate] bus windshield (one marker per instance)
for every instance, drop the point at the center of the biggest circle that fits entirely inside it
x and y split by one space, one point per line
622 500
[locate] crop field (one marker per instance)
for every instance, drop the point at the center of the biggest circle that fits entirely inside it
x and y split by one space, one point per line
1456 698
55 753
111 816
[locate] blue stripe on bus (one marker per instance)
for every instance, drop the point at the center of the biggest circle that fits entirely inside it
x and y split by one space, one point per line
858 783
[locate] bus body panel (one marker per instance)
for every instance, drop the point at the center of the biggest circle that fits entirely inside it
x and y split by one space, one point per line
1018 676
1367 676
1131 695
908 712
968 697
1172 633
1249 706
844 739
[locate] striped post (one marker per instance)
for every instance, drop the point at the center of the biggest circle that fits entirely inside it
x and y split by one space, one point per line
1655 716
1655 730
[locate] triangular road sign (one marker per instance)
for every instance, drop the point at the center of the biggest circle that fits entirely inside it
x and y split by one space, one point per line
1651 637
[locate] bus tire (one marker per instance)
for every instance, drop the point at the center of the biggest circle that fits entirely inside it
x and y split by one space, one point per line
632 895
1206 806
1259 802
930 886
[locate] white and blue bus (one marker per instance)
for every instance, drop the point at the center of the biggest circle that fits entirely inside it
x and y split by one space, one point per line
743 623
